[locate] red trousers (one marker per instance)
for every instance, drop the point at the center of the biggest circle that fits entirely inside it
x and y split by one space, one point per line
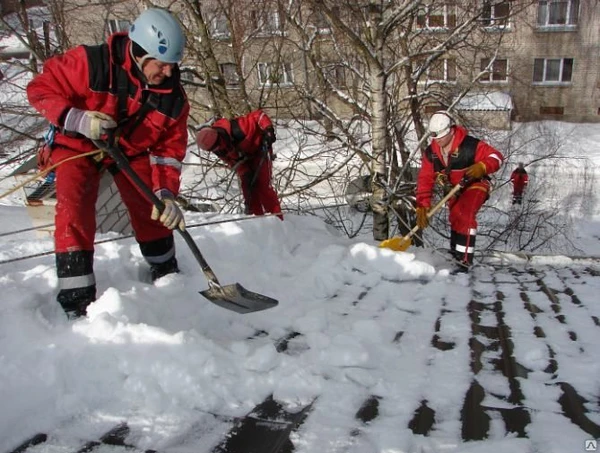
77 183
255 177
464 208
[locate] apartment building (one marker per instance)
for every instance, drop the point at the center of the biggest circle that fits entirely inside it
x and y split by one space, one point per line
551 67
546 62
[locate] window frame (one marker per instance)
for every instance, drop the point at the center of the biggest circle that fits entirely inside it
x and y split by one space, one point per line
335 72
484 62
449 12
267 23
216 25
561 71
232 78
117 25
495 22
572 14
265 72
445 62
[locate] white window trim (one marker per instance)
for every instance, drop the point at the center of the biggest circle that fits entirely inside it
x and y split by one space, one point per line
274 18
227 83
555 83
118 25
489 80
557 27
445 80
446 14
494 26
284 83
218 34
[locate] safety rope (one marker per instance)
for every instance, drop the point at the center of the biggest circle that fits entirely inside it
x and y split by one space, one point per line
103 241
44 173
24 230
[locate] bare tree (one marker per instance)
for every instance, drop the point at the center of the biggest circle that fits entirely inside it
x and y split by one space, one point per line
357 78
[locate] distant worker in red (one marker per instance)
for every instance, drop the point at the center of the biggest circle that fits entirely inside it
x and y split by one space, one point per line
452 156
245 143
519 179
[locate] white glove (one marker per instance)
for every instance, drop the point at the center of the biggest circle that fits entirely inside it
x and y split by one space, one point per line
171 216
90 123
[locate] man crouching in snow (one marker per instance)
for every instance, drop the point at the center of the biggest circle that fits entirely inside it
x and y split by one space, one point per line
452 156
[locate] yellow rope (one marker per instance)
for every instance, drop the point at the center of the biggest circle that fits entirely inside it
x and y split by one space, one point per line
43 174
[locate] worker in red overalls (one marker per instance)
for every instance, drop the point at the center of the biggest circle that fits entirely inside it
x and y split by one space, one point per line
519 180
90 92
245 143
452 156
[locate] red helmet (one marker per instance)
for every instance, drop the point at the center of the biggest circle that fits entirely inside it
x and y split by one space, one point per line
207 138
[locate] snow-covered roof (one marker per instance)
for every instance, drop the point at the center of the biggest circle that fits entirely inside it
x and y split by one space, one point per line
489 101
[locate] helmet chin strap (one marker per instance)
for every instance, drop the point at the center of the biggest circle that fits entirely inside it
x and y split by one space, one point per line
140 63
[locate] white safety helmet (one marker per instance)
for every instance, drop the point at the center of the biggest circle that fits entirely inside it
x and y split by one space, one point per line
159 34
440 124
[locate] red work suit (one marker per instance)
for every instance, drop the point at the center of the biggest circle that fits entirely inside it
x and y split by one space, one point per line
88 77
519 179
242 146
463 208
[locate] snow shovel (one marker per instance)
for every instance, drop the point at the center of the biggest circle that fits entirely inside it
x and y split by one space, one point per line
400 244
232 297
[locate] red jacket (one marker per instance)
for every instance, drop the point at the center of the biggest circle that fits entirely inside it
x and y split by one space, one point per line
519 178
466 151
246 136
85 78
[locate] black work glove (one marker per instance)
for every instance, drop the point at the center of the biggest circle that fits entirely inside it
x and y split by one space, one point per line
269 136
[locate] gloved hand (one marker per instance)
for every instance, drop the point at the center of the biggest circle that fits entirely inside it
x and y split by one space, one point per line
422 220
171 216
476 171
269 136
89 123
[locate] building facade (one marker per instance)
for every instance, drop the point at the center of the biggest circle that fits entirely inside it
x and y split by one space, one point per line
547 60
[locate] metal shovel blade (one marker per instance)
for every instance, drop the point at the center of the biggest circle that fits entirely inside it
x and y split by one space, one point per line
236 298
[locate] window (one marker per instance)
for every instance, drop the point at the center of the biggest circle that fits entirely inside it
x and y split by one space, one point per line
187 75
437 17
270 74
335 73
552 70
219 27
266 21
321 22
116 25
496 14
442 70
228 70
558 13
498 72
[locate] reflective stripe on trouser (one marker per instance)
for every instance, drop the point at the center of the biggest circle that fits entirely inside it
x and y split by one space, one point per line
76 281
464 209
463 246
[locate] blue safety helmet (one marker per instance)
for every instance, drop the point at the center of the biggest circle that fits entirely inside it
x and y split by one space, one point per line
159 34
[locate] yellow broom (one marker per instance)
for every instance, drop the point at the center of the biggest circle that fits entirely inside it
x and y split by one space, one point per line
401 244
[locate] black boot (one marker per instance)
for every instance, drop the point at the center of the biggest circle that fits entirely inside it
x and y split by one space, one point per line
75 301
159 270
461 267
160 255
75 271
